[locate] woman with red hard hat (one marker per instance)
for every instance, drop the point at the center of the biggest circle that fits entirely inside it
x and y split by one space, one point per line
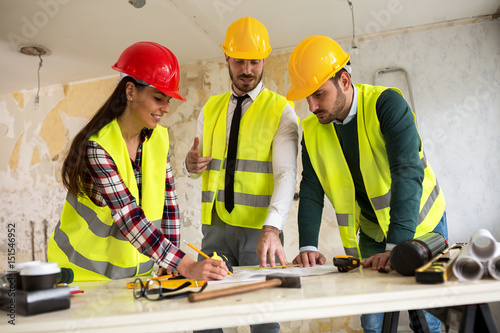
121 214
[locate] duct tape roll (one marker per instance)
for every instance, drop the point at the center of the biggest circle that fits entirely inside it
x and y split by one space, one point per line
483 244
494 264
467 267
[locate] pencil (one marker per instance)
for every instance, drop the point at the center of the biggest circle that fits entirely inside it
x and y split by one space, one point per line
163 277
194 248
203 254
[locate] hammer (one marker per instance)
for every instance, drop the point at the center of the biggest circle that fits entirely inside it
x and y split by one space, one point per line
273 280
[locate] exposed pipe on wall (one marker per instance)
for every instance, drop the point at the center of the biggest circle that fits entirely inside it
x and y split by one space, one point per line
408 80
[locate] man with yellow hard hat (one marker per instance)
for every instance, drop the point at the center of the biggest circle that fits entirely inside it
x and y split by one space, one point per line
246 151
361 148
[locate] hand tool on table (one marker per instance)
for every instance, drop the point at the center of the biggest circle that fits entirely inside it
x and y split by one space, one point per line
439 268
222 257
345 263
272 280
173 282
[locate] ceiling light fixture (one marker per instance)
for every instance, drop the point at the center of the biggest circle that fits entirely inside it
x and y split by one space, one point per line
354 41
137 3
35 51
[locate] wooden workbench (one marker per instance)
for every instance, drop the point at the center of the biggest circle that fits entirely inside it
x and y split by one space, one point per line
110 307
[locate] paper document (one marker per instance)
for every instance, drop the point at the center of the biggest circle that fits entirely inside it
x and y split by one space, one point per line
253 273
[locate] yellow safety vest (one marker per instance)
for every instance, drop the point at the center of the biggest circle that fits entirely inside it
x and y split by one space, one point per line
87 239
333 173
253 179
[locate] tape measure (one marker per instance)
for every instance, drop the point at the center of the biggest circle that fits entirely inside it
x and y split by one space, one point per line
345 263
222 257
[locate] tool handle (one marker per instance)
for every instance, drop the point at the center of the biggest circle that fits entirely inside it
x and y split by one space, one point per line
233 290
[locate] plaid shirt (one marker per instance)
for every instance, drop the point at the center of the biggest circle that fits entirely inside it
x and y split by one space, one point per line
105 187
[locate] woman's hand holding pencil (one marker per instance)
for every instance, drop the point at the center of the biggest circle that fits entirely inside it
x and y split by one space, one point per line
204 255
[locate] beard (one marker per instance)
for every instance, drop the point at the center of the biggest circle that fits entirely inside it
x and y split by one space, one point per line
245 87
336 110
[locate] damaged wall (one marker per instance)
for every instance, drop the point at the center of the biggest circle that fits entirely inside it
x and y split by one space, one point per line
455 77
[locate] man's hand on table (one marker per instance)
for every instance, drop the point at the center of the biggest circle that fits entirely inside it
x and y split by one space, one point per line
378 261
309 258
269 245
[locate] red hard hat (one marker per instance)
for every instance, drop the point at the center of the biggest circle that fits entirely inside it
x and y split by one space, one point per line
152 63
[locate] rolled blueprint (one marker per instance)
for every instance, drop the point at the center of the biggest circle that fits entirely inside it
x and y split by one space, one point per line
494 264
467 267
483 244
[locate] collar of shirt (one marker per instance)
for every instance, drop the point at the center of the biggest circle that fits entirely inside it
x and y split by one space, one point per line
253 94
352 111
244 107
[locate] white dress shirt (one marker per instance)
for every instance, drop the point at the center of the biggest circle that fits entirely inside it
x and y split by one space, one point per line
285 149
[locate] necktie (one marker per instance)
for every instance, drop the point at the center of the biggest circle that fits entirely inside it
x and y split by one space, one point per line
231 155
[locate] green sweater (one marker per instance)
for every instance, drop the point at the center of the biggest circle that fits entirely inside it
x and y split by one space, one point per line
402 145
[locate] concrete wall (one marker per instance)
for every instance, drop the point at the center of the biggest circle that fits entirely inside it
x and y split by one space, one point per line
455 78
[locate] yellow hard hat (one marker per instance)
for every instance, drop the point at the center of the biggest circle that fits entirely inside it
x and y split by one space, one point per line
247 38
312 62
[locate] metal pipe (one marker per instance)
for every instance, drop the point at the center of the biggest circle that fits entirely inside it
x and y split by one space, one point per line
408 81
354 41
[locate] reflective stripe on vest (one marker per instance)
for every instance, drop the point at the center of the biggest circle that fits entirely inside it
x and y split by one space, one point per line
348 232
383 201
80 264
87 238
254 179
333 172
241 198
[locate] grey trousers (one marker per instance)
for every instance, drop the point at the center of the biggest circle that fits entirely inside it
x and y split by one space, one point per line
239 246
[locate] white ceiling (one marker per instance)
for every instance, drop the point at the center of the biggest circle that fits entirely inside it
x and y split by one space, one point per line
85 37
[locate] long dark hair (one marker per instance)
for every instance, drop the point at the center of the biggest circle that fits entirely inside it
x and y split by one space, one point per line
73 168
